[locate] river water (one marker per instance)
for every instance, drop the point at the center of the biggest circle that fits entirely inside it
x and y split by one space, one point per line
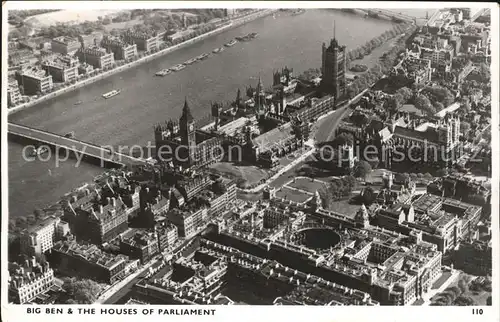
128 119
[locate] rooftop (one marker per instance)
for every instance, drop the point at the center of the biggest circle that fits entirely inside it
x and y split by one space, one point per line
89 253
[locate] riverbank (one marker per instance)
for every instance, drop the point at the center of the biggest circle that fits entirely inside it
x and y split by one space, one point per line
233 24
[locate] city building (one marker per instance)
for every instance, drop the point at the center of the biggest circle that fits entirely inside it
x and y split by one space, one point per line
145 41
96 56
65 45
431 143
13 94
333 79
87 261
85 69
437 55
121 49
60 71
40 238
90 40
167 235
34 81
98 222
28 281
139 245
187 222
184 144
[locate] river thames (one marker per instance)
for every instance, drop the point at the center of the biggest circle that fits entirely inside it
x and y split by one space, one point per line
128 119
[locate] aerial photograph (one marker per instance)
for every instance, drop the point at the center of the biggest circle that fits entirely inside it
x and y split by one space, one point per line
249 156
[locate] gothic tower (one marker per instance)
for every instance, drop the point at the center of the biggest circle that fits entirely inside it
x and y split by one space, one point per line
187 125
333 68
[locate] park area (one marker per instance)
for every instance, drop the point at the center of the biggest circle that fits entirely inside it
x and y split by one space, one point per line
466 290
307 184
293 195
245 175
344 207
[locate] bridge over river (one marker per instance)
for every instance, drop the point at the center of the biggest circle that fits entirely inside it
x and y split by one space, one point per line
67 146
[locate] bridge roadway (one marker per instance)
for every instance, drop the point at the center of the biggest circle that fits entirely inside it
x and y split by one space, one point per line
70 144
390 13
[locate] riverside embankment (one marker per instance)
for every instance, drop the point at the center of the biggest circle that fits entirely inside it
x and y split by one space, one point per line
232 24
127 119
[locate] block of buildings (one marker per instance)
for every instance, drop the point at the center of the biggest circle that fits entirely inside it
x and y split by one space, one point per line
187 222
141 245
145 41
98 57
120 49
34 81
29 280
97 221
167 234
61 70
91 39
65 45
88 261
41 237
13 94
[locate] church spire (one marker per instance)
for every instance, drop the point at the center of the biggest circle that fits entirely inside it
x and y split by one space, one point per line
186 112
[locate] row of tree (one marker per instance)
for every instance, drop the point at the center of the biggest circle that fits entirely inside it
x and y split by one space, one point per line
367 48
386 62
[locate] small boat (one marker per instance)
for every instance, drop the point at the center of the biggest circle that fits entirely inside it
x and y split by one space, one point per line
70 135
202 56
218 50
189 62
298 12
39 151
111 94
253 35
178 67
231 43
78 102
164 72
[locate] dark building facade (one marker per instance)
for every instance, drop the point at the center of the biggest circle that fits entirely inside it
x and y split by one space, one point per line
333 68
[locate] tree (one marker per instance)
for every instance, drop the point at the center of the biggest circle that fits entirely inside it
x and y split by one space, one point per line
82 291
38 213
359 119
424 104
363 168
484 72
442 172
368 196
464 127
462 285
464 301
438 106
465 103
343 139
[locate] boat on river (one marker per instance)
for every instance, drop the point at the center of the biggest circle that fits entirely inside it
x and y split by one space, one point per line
39 151
190 61
178 67
111 94
231 43
202 56
164 72
218 50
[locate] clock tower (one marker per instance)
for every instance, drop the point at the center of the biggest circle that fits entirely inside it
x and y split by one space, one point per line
187 127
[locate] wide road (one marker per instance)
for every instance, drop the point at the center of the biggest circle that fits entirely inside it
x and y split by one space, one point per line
325 131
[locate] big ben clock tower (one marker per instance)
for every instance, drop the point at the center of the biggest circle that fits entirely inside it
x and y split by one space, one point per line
187 127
